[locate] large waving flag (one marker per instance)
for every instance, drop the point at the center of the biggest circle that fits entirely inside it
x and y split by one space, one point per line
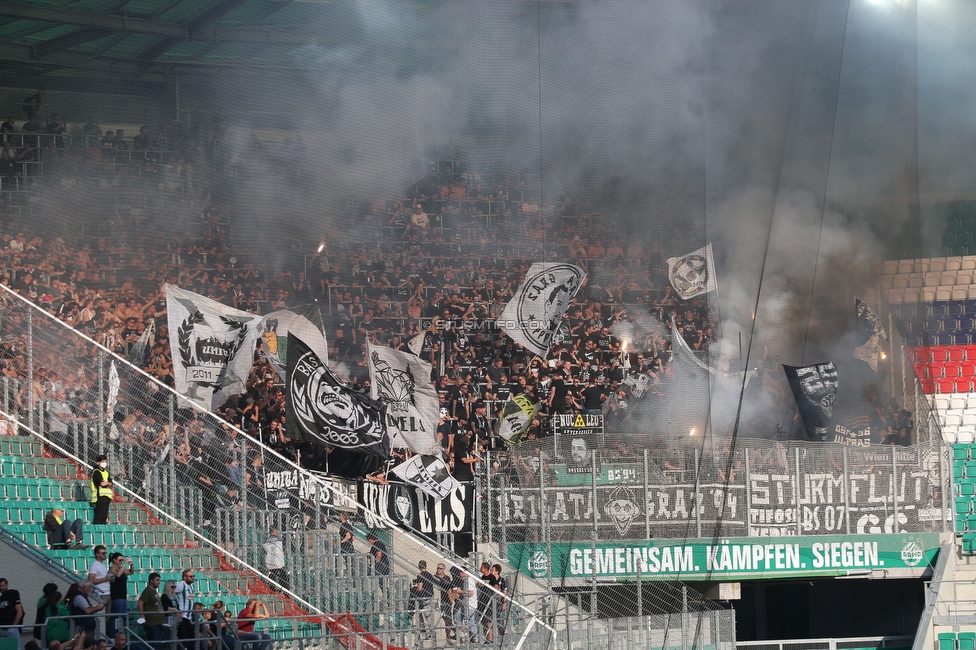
815 389
212 345
533 315
693 274
870 334
401 382
516 417
324 410
306 321
429 473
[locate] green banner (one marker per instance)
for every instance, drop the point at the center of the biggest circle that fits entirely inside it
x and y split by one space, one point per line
730 559
607 474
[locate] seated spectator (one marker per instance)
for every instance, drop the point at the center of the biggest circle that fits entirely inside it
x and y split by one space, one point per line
61 533
253 609
10 126
120 143
56 125
108 142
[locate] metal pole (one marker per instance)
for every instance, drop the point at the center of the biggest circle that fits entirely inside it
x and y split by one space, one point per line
476 522
847 495
547 538
171 492
30 369
595 534
748 496
488 503
647 515
796 491
101 402
684 617
942 485
503 514
697 495
640 592
894 485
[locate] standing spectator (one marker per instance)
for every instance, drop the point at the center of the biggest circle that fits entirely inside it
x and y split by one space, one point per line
274 558
101 490
151 608
119 571
443 582
44 608
183 594
421 594
501 602
142 141
57 625
99 579
169 607
32 105
253 609
471 611
80 606
381 560
11 611
120 143
486 593
62 533
347 542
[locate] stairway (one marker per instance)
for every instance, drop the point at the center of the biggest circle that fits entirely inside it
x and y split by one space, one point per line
33 483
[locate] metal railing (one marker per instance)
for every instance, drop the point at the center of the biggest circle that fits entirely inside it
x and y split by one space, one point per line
171 455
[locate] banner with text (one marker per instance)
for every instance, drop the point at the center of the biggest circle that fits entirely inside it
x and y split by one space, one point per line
729 559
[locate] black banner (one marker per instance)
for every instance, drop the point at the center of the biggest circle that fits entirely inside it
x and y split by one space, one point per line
409 507
814 389
324 410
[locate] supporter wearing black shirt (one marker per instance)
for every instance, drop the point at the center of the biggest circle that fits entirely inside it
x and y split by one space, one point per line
11 611
464 457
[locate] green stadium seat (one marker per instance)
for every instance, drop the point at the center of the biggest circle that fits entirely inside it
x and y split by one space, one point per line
963 505
960 452
957 470
967 640
947 641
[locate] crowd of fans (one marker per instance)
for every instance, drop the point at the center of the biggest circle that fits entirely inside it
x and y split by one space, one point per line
443 261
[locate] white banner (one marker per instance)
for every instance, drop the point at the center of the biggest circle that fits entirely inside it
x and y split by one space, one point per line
212 345
113 392
693 274
533 315
401 382
429 473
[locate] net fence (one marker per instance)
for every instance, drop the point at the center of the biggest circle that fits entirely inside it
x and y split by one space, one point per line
212 478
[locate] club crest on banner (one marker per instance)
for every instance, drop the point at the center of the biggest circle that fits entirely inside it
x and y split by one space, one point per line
206 347
533 316
394 386
693 274
402 505
622 509
318 398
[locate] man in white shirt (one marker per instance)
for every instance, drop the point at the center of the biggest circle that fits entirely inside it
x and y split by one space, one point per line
101 588
183 595
472 603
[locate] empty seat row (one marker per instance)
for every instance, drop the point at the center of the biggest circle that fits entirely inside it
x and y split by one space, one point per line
35 511
944 353
946 386
947 369
927 265
148 536
961 403
930 294
954 641
164 559
36 467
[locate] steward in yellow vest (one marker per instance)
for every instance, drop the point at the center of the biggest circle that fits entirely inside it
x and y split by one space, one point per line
101 490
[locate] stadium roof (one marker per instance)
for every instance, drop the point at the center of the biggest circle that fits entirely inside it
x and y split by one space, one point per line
71 44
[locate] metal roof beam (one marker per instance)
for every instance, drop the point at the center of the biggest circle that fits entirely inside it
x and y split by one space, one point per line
76 37
200 29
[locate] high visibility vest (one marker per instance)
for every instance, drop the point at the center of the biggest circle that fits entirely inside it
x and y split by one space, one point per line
97 476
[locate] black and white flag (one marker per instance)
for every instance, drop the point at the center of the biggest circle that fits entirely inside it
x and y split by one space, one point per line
212 345
139 350
516 417
324 410
870 334
693 274
533 315
401 382
814 389
306 321
429 473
